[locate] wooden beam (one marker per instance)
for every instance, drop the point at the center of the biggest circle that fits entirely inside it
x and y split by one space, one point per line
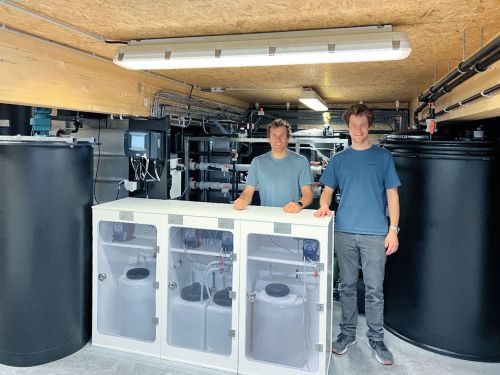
34 73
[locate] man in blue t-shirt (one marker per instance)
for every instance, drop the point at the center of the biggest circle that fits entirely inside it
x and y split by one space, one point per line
367 180
283 177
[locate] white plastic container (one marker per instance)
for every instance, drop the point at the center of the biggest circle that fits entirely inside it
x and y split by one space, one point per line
219 324
136 307
188 322
278 329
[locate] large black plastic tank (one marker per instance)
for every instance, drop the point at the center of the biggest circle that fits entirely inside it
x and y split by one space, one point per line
45 249
442 287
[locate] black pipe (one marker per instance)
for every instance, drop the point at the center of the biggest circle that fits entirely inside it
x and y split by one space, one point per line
462 68
469 99
478 62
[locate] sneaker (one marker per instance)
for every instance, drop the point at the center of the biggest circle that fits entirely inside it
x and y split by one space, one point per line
381 351
342 344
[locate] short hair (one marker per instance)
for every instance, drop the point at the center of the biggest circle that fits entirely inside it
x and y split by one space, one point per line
358 110
279 123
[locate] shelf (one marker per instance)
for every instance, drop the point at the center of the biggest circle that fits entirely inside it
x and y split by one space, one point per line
139 242
277 255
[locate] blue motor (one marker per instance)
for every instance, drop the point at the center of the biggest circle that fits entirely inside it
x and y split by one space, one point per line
310 250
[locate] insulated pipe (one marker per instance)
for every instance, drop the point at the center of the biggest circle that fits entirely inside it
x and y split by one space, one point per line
462 68
490 54
464 102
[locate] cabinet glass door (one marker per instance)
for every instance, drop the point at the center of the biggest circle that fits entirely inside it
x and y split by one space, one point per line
200 282
283 292
126 295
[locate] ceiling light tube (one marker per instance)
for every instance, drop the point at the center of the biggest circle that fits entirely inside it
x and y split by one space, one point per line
281 48
311 99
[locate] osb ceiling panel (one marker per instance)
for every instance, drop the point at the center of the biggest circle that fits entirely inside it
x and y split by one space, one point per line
435 30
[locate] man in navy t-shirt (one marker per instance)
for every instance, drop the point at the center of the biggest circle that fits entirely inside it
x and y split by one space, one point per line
366 177
283 177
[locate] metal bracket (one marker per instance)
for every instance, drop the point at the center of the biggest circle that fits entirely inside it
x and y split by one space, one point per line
320 307
156 285
156 249
156 321
231 333
251 296
318 348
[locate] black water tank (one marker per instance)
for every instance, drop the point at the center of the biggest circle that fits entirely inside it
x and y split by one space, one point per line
442 287
45 249
14 119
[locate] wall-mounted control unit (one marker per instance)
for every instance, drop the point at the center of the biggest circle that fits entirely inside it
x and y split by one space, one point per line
144 144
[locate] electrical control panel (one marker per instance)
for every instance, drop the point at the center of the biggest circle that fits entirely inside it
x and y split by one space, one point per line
144 144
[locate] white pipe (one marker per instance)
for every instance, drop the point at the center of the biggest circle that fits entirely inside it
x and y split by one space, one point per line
208 272
213 185
204 277
224 167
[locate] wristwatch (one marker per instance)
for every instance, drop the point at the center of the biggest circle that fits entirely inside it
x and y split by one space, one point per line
395 228
300 204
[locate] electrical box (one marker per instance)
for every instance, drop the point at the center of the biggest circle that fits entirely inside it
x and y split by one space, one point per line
144 144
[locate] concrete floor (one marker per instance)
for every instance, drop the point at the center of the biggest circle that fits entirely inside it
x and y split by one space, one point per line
359 359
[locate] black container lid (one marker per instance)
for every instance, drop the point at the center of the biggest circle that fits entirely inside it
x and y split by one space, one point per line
277 290
192 292
221 297
137 273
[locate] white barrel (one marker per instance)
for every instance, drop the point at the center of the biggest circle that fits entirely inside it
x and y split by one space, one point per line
137 305
278 329
219 323
188 319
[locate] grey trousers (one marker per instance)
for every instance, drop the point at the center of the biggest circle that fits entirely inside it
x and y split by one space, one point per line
353 251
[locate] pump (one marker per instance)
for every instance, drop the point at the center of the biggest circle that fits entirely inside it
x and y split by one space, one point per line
41 121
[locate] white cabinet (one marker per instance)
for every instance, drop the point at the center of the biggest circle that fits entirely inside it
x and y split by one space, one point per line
241 291
286 281
126 303
202 283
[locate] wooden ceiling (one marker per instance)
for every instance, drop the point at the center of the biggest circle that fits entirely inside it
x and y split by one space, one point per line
435 30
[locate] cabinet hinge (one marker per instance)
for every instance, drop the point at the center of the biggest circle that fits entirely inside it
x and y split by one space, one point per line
320 307
156 285
156 249
318 348
156 321
232 333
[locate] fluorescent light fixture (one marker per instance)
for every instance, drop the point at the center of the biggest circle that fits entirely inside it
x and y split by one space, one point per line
312 100
371 43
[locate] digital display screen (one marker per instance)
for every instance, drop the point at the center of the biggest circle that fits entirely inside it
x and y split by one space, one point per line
138 141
